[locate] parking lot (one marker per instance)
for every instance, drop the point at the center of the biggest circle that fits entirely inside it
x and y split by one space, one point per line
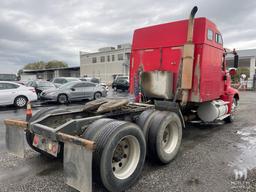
209 158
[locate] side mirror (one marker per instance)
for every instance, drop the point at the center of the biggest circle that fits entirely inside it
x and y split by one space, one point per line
72 89
236 60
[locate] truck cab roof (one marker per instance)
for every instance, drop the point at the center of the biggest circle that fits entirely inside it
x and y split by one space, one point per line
174 34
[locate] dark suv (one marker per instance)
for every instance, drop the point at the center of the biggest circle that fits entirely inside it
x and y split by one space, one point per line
121 82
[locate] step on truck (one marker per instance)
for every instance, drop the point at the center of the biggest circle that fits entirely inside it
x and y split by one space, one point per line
178 75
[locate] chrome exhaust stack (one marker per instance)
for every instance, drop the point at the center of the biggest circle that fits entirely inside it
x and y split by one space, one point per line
188 58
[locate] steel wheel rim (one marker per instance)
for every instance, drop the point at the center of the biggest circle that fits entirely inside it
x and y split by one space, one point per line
125 157
21 101
170 138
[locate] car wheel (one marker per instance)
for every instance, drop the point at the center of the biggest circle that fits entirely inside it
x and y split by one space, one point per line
20 101
62 99
97 95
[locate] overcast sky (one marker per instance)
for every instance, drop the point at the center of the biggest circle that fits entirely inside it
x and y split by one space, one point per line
33 30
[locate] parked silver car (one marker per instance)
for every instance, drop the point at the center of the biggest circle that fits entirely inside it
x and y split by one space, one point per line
73 91
58 81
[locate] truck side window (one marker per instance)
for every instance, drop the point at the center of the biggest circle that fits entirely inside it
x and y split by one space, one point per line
210 34
218 38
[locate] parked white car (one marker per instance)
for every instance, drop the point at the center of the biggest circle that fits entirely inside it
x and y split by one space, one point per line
15 94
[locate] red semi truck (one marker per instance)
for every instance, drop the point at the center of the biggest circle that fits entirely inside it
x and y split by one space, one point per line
178 75
191 50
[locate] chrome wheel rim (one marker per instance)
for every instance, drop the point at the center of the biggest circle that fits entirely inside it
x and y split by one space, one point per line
21 101
125 157
170 138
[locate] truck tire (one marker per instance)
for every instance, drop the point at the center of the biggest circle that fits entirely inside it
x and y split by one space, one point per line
94 128
231 118
30 136
144 121
165 134
119 155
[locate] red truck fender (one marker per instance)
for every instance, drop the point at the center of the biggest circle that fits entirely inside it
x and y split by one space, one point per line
231 93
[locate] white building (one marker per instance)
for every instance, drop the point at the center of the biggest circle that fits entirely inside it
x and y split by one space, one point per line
106 63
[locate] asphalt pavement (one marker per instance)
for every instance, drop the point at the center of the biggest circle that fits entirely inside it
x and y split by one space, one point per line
212 158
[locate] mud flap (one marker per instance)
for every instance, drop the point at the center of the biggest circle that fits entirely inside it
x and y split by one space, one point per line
78 166
14 137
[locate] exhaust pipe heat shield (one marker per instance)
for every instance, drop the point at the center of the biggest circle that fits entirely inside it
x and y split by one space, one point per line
157 84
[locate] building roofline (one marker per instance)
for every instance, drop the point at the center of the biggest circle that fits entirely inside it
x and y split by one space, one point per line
52 69
104 52
85 53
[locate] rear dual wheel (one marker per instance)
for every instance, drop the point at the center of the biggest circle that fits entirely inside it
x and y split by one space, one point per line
163 132
119 155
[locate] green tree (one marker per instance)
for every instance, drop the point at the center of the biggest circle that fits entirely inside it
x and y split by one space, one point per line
42 65
55 64
35 65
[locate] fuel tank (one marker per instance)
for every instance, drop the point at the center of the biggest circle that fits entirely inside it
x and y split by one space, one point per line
212 110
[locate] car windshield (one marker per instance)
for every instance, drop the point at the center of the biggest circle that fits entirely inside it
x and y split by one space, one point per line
68 85
72 79
45 84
